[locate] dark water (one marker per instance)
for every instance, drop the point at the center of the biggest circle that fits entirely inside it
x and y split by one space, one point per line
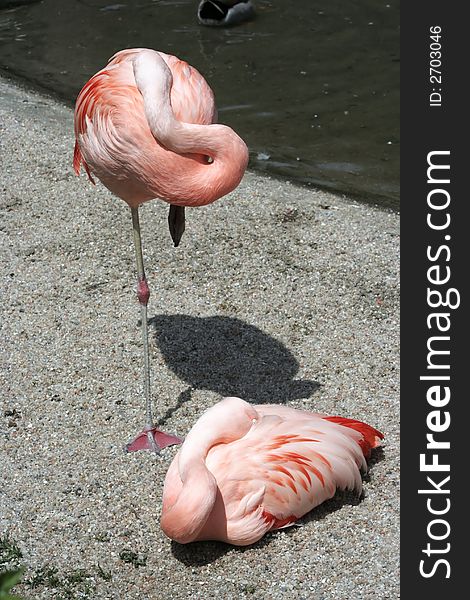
312 86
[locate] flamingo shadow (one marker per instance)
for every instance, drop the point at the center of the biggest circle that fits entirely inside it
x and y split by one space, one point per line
184 397
229 357
197 554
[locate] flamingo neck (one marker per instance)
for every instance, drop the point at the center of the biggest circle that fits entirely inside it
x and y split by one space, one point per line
187 516
229 154
225 422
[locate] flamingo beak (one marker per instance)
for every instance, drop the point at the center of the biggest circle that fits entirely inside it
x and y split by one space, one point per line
176 223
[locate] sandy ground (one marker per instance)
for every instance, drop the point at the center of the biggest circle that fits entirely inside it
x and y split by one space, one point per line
277 293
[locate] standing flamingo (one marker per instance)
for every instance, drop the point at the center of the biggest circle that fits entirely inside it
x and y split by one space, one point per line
246 469
144 127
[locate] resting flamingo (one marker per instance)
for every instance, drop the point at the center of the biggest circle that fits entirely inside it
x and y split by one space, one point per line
245 469
145 126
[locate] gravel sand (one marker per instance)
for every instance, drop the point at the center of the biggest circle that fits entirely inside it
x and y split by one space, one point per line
277 293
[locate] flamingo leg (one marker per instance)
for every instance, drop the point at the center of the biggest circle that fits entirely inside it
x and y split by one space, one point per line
176 223
150 438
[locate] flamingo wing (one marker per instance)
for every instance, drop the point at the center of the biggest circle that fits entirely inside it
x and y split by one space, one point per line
109 109
110 112
282 468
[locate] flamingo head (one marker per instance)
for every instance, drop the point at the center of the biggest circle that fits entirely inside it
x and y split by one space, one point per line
227 421
231 418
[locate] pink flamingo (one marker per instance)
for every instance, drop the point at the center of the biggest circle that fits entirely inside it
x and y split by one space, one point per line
144 125
246 469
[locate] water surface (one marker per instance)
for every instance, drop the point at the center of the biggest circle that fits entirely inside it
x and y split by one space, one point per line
312 86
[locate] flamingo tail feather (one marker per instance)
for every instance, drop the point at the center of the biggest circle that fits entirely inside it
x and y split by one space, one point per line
371 437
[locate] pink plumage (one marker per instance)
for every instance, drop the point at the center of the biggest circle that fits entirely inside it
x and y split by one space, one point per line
144 125
244 470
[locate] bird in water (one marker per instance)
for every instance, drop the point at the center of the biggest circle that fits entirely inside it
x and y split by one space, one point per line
145 127
224 13
246 469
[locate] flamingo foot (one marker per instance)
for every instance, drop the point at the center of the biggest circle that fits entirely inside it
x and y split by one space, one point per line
151 438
